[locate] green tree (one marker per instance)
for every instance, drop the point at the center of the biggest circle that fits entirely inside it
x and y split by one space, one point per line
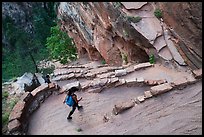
15 58
61 46
43 19
22 50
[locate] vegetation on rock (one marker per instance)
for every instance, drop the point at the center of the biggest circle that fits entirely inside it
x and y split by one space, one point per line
158 13
7 105
151 59
103 62
61 46
124 58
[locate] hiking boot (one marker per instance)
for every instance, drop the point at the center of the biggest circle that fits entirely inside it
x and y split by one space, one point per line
80 107
69 118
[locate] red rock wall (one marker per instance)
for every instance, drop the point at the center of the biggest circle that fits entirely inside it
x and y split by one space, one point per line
95 30
186 19
101 30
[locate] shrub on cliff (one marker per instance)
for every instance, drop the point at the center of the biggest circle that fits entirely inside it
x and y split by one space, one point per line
158 13
61 46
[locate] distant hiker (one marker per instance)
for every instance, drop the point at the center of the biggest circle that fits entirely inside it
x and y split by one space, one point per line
72 101
47 79
51 84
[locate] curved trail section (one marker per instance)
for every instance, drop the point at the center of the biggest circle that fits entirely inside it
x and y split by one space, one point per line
174 112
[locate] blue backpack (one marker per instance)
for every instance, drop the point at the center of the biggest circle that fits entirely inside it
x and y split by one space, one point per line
69 101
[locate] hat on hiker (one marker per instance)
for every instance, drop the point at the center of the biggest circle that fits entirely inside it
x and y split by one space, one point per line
47 76
72 90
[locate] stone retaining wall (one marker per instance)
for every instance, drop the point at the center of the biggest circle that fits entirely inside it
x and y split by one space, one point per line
28 103
157 90
98 72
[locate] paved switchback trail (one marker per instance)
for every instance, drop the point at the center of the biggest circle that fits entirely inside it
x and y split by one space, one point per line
174 112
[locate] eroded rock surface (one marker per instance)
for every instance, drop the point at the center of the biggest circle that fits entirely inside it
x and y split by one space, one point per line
103 29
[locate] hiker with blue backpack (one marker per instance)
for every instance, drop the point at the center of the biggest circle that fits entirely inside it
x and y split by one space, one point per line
72 101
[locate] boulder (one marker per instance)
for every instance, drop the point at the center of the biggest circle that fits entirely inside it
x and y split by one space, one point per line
121 72
178 83
119 108
98 83
40 78
27 82
130 81
159 89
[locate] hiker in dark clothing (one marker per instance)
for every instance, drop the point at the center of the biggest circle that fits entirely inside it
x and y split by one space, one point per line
75 100
51 84
47 79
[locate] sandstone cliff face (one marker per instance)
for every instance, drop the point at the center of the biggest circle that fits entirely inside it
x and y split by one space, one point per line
110 31
100 30
20 13
186 19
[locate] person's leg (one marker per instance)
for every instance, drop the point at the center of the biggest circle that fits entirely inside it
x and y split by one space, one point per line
71 112
78 107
